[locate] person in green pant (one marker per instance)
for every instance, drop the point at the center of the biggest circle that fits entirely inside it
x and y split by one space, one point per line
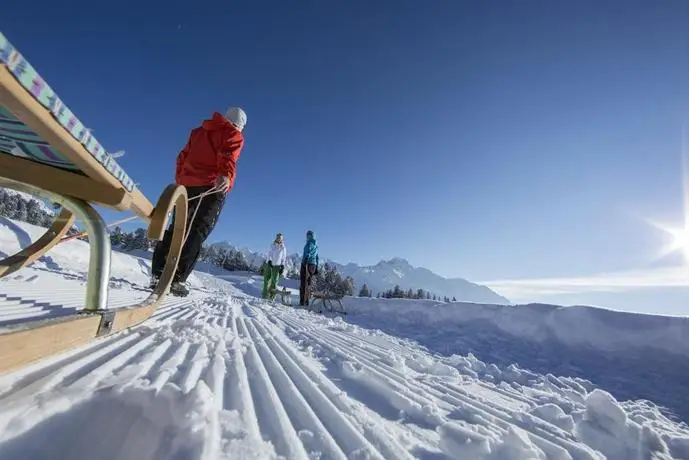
275 267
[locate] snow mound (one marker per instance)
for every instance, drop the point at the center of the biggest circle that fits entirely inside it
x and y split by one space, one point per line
606 427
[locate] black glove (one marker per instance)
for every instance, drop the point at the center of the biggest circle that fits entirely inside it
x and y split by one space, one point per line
282 269
270 263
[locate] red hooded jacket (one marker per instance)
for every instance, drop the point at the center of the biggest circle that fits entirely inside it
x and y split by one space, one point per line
212 150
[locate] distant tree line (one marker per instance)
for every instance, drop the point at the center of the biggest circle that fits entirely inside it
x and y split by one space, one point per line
230 260
14 206
398 293
130 241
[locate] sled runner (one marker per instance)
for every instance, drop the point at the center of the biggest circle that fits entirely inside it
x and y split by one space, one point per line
45 150
330 303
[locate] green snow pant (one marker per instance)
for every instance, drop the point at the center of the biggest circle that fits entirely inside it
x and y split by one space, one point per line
271 277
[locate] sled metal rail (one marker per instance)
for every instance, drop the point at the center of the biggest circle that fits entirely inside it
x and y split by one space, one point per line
328 302
46 151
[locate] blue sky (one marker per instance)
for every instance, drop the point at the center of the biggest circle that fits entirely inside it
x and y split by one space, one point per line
518 140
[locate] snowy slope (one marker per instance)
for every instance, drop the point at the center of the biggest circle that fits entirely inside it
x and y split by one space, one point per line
224 375
579 326
388 273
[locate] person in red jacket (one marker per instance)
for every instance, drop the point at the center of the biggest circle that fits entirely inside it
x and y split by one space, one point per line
207 167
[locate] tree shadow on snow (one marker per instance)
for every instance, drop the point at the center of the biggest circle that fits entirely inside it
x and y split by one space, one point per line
22 235
145 268
50 263
627 375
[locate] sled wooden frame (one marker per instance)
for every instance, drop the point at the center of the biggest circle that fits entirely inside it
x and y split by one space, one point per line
327 303
77 191
284 295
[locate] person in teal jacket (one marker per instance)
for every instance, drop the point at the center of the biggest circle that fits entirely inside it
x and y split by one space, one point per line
309 268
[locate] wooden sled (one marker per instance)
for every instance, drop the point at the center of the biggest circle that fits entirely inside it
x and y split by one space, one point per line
330 303
285 295
46 151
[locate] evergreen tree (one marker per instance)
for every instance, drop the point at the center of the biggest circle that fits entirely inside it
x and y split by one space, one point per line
140 241
397 292
409 294
348 286
364 292
330 281
420 294
116 237
212 256
3 199
293 273
46 219
11 204
435 297
218 257
235 261
454 299
428 296
127 242
34 213
21 211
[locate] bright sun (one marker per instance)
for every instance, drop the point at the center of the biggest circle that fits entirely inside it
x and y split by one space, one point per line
679 235
680 241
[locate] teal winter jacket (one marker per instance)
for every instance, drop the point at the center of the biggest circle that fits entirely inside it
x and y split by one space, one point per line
310 252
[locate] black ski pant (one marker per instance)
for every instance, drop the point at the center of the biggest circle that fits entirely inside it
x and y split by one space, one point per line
207 214
306 275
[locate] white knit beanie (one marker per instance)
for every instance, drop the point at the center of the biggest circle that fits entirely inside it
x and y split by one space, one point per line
237 117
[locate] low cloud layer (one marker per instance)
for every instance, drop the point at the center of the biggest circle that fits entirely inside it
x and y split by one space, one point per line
535 289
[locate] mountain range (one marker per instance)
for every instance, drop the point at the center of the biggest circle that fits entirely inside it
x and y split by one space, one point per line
387 274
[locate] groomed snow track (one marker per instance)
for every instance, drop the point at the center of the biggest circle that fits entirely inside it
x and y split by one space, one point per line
224 375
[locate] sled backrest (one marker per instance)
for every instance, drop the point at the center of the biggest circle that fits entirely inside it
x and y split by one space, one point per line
43 143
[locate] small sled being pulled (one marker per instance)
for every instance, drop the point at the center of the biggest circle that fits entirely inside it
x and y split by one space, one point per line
45 150
329 302
285 295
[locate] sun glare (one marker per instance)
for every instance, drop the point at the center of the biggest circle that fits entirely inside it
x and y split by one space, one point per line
679 243
679 235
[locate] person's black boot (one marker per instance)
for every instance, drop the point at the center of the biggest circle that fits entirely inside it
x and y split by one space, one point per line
154 282
179 289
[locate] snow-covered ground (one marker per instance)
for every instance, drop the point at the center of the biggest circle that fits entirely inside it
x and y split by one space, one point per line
221 374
